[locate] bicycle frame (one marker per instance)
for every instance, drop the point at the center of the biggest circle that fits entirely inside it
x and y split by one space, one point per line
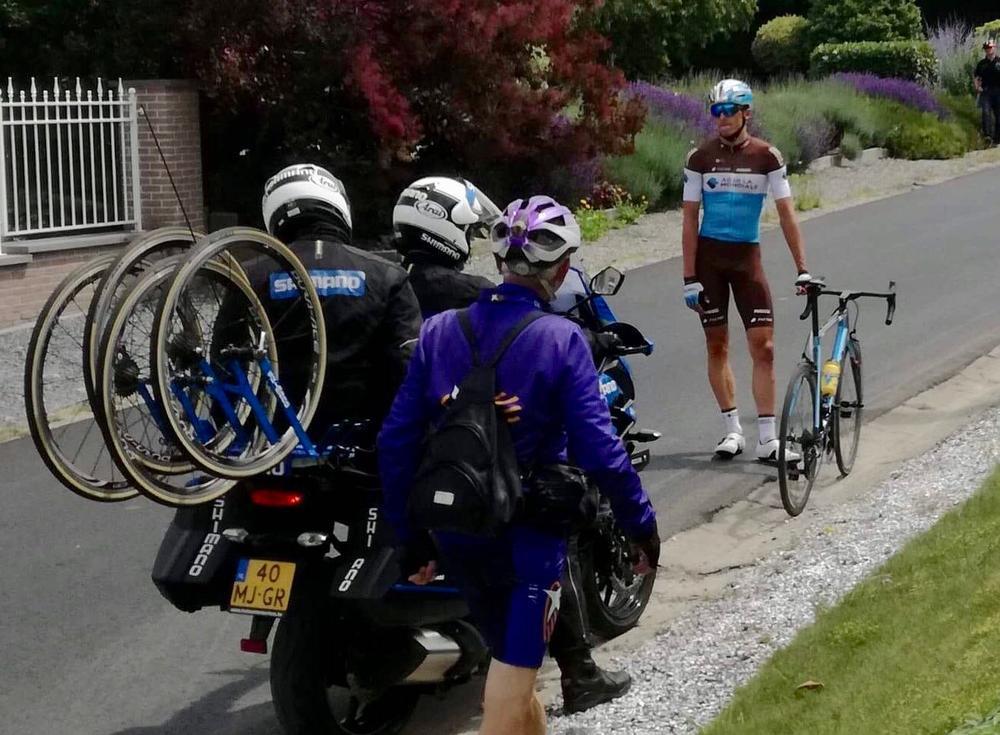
814 347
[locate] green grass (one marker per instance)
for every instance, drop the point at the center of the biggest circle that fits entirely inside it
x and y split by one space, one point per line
805 197
913 649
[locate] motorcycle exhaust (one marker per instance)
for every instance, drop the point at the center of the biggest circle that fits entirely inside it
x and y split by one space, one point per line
441 653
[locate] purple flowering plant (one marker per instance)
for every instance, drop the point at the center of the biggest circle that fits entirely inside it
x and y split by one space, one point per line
903 91
672 107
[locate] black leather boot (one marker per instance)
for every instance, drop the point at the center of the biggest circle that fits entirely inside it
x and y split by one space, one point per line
586 685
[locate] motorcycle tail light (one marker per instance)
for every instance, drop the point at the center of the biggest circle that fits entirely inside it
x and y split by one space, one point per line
272 498
252 645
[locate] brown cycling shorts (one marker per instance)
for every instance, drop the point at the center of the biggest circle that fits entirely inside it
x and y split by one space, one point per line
721 266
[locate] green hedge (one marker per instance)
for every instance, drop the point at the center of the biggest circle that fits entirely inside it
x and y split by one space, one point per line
913 60
988 30
782 45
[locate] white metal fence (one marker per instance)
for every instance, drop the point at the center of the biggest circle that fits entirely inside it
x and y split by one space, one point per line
68 161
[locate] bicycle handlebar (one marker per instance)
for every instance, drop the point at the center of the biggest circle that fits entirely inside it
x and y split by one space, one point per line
845 296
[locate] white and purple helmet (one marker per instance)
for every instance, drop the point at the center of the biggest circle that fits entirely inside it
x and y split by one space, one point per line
534 234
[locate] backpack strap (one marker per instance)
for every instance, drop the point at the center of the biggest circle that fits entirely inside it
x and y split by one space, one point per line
513 334
470 336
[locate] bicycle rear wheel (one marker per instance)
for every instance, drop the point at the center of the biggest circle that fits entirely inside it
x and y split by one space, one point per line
800 450
848 409
141 253
63 427
141 441
224 337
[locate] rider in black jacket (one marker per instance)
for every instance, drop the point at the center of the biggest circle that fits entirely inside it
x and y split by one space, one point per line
371 313
435 219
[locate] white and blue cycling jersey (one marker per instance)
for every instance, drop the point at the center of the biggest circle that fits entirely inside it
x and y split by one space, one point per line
732 183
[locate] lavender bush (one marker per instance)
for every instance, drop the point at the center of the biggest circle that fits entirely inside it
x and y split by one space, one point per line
957 51
671 107
905 92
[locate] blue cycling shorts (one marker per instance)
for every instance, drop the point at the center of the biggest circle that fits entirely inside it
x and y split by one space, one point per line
511 583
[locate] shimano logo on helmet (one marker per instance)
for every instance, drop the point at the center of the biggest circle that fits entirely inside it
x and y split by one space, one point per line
306 172
431 209
327 282
439 246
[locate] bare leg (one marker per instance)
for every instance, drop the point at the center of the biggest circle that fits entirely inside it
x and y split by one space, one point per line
720 374
510 706
761 343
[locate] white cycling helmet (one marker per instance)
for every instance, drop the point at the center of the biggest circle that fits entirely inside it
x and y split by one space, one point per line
303 198
437 217
732 91
534 234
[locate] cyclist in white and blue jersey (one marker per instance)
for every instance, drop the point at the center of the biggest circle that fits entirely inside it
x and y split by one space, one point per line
728 176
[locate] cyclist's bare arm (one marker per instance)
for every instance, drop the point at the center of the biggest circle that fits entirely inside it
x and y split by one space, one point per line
689 236
790 228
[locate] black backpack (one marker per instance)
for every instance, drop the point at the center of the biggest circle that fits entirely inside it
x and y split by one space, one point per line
469 480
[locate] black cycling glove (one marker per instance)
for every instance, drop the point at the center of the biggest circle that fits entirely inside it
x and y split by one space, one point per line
650 548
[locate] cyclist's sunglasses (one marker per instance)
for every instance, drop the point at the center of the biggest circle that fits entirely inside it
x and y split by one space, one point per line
727 109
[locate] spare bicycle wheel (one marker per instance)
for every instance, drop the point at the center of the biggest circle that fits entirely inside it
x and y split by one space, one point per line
254 340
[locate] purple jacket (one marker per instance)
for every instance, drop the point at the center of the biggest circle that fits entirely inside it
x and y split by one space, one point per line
550 370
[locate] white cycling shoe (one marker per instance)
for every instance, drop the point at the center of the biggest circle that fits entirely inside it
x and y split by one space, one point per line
731 445
768 452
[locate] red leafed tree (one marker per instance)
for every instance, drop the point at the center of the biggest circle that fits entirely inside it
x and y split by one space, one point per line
503 92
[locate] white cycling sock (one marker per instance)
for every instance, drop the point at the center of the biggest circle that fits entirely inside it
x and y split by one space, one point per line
765 427
732 419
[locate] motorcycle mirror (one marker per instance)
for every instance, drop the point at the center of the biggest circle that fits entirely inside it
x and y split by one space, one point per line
608 282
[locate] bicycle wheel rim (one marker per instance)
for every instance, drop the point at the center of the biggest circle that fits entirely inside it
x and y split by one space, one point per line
50 427
797 434
848 410
180 485
157 242
221 246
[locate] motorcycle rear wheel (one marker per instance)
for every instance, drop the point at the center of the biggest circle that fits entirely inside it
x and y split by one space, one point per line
614 595
307 699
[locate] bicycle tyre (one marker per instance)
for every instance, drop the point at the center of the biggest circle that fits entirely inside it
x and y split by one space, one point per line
131 261
159 479
259 458
795 495
847 453
84 483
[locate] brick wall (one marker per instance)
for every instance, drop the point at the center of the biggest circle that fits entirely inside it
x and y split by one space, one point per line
172 107
25 288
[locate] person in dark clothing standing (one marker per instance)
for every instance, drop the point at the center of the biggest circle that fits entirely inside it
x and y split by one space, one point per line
434 249
987 83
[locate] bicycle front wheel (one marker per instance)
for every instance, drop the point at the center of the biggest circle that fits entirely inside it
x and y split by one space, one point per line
800 443
849 409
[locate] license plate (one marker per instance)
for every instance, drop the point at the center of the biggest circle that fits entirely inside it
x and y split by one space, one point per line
262 586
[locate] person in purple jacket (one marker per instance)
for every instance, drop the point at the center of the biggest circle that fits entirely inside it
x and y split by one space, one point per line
550 393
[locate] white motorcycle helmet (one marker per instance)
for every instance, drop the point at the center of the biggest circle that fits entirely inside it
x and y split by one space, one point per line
306 199
436 217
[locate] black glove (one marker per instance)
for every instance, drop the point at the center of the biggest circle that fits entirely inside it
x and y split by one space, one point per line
420 550
602 343
650 548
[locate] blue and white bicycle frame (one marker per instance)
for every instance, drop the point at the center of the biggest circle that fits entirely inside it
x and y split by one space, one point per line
813 352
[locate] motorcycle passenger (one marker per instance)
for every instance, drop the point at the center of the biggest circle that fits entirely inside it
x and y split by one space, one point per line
434 220
372 323
555 410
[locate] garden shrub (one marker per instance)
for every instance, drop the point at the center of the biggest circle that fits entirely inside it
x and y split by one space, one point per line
836 21
903 91
913 60
782 45
957 51
654 170
987 30
850 146
925 136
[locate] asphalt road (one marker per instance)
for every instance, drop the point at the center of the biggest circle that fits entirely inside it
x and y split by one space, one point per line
87 646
